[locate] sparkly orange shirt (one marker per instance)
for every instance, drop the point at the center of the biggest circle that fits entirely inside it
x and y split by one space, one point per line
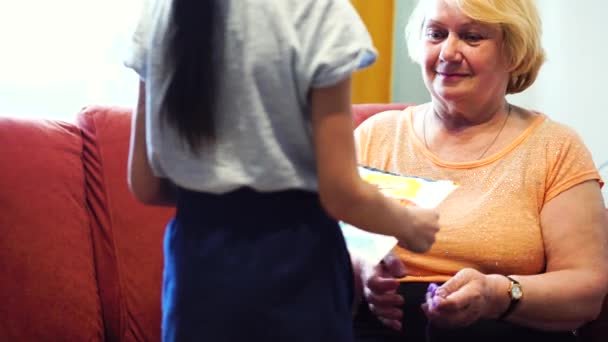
491 222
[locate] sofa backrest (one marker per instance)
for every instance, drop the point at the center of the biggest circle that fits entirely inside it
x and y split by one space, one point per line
363 111
48 287
128 235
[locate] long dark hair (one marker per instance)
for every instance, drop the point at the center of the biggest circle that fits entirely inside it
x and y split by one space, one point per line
193 53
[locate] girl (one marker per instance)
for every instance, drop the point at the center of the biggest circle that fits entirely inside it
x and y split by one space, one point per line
243 122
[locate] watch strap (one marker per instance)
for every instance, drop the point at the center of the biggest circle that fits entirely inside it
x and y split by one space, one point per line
514 302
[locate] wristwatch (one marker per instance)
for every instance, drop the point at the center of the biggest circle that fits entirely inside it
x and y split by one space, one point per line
515 293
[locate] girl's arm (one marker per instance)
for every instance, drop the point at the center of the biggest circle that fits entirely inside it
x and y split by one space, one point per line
145 186
344 195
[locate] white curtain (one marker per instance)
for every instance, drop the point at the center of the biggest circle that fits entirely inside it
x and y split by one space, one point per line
58 56
573 85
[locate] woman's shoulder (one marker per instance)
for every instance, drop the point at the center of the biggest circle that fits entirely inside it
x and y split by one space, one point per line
381 129
540 126
558 142
556 131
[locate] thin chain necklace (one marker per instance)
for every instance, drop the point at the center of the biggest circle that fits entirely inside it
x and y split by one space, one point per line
426 144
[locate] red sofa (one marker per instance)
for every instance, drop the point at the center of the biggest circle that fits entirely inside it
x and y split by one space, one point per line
80 259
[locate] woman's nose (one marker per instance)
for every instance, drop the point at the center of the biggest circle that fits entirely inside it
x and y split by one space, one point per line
450 49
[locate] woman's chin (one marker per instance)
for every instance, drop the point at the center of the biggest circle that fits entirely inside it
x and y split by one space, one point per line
451 93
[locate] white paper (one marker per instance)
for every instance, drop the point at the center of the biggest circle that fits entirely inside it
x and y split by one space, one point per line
371 247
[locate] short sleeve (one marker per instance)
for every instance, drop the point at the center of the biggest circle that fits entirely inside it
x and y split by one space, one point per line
137 53
570 163
334 42
155 164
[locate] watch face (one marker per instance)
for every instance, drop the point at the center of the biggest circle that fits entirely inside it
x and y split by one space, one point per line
516 292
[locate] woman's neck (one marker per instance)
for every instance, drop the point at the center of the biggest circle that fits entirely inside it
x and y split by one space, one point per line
462 136
456 119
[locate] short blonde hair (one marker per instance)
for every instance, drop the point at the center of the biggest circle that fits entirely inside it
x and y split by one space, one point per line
521 27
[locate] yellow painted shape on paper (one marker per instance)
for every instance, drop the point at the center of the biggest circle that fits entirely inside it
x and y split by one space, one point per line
394 186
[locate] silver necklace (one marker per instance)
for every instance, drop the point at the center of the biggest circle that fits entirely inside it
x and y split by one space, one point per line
426 144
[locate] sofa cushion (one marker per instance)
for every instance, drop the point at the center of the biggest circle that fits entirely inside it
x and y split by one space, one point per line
48 286
129 234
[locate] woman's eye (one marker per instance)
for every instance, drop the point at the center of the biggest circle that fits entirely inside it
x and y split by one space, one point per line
435 35
472 37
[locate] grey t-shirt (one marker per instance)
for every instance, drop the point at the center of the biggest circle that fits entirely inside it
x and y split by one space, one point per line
275 52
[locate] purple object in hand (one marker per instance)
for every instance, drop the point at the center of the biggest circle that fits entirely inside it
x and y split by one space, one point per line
430 294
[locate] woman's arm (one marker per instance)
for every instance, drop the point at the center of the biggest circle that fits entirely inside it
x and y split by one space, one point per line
144 185
569 293
575 234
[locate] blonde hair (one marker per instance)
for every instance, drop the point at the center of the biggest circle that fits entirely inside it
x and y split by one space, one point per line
521 27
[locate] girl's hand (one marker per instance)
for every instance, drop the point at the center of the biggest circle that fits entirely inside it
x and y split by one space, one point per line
419 233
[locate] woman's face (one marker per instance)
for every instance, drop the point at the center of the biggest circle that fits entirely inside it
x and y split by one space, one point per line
461 58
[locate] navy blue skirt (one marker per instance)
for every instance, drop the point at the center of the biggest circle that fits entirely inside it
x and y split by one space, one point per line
250 266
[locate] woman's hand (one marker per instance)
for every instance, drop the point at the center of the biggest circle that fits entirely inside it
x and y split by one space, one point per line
380 290
467 297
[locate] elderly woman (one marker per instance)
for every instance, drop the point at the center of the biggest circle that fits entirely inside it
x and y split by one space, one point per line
522 250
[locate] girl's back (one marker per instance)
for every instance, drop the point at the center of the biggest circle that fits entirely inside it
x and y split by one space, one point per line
274 52
254 251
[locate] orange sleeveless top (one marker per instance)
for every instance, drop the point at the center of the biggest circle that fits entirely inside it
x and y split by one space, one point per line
491 222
